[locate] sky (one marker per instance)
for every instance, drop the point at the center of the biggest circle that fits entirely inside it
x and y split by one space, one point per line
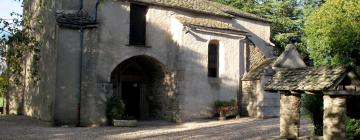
9 6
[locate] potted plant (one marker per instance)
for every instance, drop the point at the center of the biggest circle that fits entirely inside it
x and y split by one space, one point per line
115 113
226 109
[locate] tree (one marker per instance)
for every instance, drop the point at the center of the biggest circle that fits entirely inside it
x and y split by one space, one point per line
245 5
333 33
287 17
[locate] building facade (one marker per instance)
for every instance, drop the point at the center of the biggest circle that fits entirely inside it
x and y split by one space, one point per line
168 60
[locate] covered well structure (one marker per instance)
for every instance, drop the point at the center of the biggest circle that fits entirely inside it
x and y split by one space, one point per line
334 83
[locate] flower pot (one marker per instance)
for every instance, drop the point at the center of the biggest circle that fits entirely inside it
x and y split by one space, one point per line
228 111
125 123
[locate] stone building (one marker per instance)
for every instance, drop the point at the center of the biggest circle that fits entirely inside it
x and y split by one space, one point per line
255 101
168 59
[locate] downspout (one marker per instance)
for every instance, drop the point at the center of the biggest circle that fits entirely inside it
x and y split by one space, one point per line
81 63
242 73
81 53
96 10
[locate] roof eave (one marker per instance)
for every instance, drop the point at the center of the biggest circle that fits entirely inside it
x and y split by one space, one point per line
217 30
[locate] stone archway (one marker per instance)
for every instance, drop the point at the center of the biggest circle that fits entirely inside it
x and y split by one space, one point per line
142 83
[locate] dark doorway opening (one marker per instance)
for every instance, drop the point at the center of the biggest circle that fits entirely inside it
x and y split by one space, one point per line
131 98
140 82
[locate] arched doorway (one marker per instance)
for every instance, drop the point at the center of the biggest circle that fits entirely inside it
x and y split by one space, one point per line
140 82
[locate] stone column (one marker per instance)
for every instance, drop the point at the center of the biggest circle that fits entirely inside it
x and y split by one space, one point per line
334 117
289 115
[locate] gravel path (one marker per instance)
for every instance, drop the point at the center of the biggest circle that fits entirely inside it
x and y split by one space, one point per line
23 128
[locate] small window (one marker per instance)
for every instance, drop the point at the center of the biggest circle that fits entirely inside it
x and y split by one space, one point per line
138 24
213 59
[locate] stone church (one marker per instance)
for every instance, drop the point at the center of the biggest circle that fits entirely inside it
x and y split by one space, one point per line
168 59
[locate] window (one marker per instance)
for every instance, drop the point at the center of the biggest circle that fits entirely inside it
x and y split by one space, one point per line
213 59
137 24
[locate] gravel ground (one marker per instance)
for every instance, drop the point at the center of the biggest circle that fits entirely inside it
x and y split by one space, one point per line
23 128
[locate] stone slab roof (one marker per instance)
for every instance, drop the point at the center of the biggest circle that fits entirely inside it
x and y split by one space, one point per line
73 18
207 23
257 72
307 79
203 6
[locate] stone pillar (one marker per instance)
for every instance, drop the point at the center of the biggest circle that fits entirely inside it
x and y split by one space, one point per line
334 117
289 115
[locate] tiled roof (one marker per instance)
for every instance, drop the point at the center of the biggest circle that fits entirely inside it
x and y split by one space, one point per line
208 23
203 6
257 72
196 5
306 79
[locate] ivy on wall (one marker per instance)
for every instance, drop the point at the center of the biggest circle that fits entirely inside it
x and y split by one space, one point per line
19 44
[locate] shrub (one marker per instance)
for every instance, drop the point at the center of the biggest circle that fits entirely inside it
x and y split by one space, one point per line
219 104
353 129
353 120
226 108
115 108
312 105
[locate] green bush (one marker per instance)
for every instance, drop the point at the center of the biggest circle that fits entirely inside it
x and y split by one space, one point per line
353 120
312 105
115 108
353 129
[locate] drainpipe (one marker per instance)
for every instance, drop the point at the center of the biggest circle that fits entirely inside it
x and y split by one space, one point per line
81 64
96 10
81 53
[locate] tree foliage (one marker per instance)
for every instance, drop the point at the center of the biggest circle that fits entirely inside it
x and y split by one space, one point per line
333 33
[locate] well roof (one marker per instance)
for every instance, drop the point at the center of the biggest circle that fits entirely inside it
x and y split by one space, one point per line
307 79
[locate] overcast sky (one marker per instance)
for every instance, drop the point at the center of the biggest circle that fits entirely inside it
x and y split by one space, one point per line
8 6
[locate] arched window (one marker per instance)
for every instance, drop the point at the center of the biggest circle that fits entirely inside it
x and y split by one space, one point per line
213 59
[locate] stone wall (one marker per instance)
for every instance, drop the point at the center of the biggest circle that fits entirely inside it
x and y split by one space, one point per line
248 106
256 56
289 115
200 91
259 34
334 118
258 103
